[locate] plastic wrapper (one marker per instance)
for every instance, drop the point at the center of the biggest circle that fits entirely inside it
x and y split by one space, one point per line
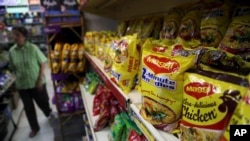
162 84
126 63
209 101
237 36
214 23
171 24
241 115
65 57
189 31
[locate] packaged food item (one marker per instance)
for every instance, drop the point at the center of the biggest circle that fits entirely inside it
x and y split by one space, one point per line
236 39
189 31
171 24
110 55
65 57
161 85
122 28
224 61
126 63
73 58
157 28
241 115
56 58
209 101
214 23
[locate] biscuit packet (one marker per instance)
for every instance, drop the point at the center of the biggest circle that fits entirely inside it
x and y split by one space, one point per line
209 100
161 84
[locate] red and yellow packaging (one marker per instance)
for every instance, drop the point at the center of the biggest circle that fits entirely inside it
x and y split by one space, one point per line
125 63
161 85
241 115
209 101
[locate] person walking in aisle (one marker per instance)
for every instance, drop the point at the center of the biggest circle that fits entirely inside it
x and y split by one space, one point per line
27 62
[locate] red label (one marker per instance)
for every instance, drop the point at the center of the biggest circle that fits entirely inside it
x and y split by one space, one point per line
199 89
161 64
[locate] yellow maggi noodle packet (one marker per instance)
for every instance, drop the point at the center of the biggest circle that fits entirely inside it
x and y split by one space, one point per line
65 57
171 24
214 23
110 55
189 31
241 116
209 101
121 28
161 85
126 63
237 39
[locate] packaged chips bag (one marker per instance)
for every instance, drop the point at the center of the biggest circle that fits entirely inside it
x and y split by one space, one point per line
214 23
209 101
65 57
161 85
56 58
126 63
73 57
237 39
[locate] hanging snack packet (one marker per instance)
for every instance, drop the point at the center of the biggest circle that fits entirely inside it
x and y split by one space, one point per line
214 23
189 31
65 57
209 101
126 63
161 85
237 37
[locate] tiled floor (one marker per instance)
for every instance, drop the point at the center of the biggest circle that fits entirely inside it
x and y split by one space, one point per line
46 131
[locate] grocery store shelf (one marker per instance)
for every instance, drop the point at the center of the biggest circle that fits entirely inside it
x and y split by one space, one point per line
7 86
116 91
148 129
88 104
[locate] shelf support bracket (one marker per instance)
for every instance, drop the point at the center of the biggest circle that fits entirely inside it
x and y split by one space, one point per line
52 37
79 36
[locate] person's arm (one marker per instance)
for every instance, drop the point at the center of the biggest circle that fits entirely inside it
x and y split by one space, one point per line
11 65
41 60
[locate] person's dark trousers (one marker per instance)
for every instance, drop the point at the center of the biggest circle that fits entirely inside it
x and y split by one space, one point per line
42 100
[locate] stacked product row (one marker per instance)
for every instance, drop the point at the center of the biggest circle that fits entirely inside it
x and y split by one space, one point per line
67 58
191 68
110 113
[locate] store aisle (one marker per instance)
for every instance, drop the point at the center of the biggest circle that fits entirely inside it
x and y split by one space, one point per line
46 131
